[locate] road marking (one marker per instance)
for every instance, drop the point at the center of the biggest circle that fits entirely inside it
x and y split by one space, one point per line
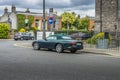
23 45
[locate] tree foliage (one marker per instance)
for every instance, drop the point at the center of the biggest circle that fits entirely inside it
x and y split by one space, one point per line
68 18
74 21
4 29
84 23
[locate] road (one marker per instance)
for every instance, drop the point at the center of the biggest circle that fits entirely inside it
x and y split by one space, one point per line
22 63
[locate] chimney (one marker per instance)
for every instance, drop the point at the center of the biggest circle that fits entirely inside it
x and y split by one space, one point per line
6 10
13 8
27 10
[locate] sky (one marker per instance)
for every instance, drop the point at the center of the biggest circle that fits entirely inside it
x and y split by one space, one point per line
80 7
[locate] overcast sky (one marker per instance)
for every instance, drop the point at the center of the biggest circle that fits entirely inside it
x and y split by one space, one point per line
82 7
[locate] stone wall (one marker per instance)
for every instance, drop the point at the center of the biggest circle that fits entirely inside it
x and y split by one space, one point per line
106 13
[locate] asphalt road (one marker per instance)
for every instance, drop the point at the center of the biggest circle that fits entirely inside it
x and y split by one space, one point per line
22 63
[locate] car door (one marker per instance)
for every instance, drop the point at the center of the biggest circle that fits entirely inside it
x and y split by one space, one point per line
50 42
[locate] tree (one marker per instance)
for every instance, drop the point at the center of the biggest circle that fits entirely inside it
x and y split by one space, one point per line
68 18
84 23
4 29
76 23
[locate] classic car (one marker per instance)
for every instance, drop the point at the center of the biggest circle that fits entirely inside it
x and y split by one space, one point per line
58 43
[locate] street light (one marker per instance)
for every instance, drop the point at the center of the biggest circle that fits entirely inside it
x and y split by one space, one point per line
44 33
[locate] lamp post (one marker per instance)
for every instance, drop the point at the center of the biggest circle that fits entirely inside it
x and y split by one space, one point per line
44 33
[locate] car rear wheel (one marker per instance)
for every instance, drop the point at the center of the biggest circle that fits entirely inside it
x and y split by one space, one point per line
36 46
73 50
59 48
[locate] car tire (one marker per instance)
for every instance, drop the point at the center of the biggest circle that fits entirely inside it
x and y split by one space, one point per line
36 46
59 48
73 50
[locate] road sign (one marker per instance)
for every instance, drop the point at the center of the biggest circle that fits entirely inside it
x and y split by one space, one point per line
50 20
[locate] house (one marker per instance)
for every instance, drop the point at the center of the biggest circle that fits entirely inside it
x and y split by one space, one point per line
12 19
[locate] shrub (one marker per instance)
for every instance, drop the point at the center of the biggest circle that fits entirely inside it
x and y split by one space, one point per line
96 37
4 29
22 30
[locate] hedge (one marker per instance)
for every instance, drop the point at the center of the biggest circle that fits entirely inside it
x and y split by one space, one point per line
72 31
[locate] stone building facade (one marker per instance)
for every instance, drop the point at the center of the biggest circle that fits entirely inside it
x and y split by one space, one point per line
107 18
11 18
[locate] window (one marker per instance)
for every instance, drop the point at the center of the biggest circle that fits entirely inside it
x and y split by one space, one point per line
51 38
66 38
37 23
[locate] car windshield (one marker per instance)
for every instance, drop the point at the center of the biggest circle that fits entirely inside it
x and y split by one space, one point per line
66 38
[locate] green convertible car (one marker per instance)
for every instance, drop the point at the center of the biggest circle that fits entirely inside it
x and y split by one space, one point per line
58 43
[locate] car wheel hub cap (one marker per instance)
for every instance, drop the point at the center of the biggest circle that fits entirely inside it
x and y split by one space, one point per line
35 46
59 48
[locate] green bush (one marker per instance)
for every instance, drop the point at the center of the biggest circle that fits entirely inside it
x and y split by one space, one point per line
4 29
95 38
22 30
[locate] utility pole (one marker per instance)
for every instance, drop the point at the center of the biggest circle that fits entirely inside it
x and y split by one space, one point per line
44 20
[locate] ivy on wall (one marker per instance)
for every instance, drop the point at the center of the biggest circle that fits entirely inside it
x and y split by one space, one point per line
30 20
21 21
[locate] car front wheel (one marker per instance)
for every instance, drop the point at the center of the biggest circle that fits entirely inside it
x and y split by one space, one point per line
59 48
36 46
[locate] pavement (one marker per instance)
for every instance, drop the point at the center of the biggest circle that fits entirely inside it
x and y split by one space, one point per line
115 53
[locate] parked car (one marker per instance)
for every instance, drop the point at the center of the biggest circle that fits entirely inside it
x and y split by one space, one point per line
82 36
59 43
23 36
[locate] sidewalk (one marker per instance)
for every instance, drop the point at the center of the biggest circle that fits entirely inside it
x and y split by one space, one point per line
6 39
115 53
